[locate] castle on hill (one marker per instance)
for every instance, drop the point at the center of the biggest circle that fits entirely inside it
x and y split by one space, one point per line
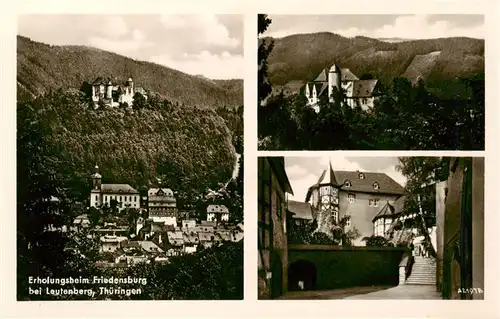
356 92
114 95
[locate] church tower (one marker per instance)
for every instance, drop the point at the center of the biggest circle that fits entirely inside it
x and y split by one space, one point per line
333 80
96 179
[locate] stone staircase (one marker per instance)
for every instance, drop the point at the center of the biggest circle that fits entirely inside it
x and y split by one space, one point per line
423 272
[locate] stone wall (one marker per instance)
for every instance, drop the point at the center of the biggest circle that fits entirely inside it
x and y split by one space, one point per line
340 267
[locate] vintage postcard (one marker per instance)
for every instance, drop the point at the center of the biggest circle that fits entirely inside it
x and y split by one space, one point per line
129 157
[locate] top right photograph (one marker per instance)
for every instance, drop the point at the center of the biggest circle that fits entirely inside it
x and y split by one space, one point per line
371 82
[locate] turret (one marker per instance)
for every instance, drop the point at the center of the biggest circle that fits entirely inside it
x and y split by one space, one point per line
109 90
130 86
333 80
96 179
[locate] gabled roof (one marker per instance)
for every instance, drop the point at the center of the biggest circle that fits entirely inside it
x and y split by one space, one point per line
300 210
217 209
386 211
277 164
322 76
101 80
347 75
149 246
118 188
399 205
160 192
322 89
386 185
363 88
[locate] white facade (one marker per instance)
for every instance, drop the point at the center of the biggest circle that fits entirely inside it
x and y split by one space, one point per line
102 194
217 213
102 90
165 220
110 243
357 92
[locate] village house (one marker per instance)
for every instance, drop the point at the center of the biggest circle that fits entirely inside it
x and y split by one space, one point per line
217 213
110 229
80 223
113 95
356 92
162 206
357 195
111 243
102 194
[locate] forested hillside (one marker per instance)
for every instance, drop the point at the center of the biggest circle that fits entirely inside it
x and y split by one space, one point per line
42 68
189 148
437 61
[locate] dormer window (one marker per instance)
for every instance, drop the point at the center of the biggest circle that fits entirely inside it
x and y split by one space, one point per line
347 184
361 176
376 186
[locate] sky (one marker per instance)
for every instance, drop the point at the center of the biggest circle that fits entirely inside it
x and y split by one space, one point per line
208 45
304 172
380 26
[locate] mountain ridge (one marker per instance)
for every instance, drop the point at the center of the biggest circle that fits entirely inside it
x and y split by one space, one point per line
43 67
303 56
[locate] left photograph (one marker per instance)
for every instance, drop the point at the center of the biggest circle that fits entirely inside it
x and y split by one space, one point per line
130 157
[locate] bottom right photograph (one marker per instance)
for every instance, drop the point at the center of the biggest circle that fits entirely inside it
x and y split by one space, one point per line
337 227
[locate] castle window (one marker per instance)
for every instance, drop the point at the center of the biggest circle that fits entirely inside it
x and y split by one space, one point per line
347 184
351 198
373 202
361 176
376 185
348 222
96 198
335 216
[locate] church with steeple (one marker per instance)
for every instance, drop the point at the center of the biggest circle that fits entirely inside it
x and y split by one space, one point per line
102 194
357 92
359 195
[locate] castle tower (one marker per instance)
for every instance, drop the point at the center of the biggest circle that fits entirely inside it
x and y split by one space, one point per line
130 86
324 197
333 80
109 90
96 179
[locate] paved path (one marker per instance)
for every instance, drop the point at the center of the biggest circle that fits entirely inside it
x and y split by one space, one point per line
331 294
414 292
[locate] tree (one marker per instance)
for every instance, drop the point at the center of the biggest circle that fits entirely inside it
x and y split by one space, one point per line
264 50
94 215
86 88
139 101
378 241
422 173
40 251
